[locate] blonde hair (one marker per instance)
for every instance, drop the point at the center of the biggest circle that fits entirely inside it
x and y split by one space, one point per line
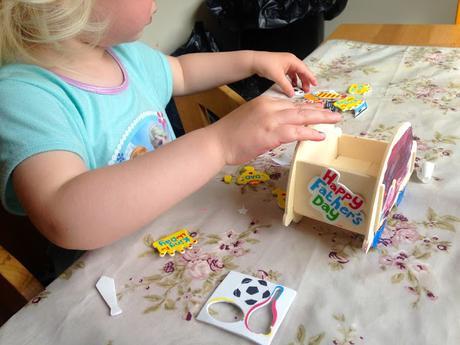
28 24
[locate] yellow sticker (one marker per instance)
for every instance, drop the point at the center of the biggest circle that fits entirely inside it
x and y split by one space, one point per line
251 176
348 103
228 179
280 197
359 89
310 98
176 242
328 94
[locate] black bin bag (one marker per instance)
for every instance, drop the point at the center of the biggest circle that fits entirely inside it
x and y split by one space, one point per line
199 40
295 26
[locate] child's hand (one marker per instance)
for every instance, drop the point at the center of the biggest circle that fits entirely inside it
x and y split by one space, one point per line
264 123
276 66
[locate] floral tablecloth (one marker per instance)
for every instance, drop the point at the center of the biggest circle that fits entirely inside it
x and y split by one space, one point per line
406 291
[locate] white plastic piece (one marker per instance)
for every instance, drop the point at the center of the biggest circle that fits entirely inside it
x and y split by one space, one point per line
425 173
106 287
298 92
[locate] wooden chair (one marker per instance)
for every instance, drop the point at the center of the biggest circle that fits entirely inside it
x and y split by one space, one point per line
194 109
17 284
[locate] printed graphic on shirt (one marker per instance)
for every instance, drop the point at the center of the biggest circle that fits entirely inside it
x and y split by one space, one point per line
147 132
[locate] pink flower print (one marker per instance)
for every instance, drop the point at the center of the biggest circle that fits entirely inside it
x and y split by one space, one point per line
215 264
188 316
389 260
399 216
446 153
238 244
224 245
399 260
340 259
422 146
386 260
230 241
401 265
402 256
405 234
420 267
231 234
431 296
187 296
387 233
442 247
411 289
198 269
435 58
424 92
169 267
238 251
262 274
193 254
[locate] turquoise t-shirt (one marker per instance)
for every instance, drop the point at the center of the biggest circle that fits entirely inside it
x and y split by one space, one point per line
41 111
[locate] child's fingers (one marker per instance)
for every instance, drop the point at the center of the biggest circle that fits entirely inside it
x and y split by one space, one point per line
306 76
289 133
285 85
293 77
308 116
307 81
277 104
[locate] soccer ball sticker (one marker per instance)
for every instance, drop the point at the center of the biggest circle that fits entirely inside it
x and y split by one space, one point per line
249 295
252 291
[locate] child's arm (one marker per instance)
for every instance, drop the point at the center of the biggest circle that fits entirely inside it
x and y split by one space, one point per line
203 71
77 208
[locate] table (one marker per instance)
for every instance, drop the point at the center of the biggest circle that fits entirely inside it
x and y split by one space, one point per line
406 291
443 35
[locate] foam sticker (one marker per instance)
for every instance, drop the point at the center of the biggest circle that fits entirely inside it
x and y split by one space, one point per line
249 294
280 197
249 175
311 98
176 242
328 94
359 89
348 103
334 200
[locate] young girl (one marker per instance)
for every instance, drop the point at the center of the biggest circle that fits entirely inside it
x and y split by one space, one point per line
87 151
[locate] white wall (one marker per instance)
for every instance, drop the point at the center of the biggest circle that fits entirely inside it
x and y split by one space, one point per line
396 12
174 20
